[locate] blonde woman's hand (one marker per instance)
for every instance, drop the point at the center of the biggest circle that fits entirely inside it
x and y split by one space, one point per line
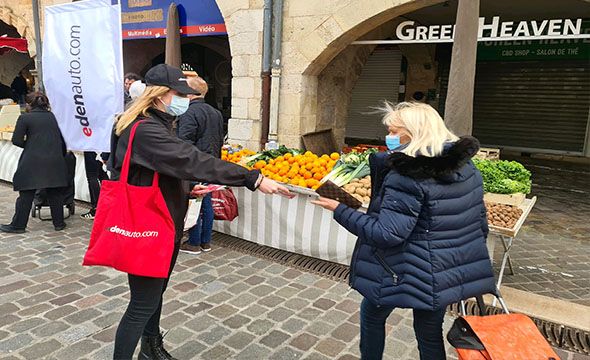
326 203
268 186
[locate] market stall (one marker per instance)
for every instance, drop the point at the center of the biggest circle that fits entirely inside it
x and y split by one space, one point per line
293 225
297 226
9 155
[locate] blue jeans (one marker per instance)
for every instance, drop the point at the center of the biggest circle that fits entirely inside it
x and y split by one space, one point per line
201 233
427 327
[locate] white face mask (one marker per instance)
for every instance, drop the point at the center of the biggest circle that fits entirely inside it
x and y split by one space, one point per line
178 105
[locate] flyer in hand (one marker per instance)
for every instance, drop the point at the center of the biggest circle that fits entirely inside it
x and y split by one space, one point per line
332 191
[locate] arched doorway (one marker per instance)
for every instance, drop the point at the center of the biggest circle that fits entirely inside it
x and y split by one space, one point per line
15 77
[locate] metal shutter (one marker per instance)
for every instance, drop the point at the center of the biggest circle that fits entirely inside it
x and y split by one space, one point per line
533 105
379 80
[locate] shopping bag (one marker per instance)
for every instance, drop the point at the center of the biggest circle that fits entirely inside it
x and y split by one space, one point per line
193 213
225 205
133 231
498 337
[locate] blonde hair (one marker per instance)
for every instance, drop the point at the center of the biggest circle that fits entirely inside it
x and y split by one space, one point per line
148 99
199 84
426 129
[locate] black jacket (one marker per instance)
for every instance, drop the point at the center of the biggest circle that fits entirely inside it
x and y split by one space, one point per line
202 126
42 163
157 148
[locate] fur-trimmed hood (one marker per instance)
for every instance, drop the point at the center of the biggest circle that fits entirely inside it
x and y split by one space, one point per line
454 157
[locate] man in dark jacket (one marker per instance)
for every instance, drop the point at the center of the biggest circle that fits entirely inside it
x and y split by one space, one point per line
202 126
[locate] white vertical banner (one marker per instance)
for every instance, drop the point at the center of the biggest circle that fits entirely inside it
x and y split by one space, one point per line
83 70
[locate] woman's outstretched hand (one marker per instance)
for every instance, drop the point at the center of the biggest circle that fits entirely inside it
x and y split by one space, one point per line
326 203
198 188
268 186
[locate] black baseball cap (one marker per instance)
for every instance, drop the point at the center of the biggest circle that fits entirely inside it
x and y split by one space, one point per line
169 76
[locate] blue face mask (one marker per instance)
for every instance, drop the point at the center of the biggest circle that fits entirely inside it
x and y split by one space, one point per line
178 105
392 141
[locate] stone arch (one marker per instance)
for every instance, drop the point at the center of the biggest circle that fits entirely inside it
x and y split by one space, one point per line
8 16
314 41
350 23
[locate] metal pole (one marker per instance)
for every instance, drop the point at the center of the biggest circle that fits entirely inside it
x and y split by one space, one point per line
276 70
40 86
266 54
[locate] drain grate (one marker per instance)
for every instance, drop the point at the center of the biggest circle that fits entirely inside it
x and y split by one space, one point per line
334 271
557 335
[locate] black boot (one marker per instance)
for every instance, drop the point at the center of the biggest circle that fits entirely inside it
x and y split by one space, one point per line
152 348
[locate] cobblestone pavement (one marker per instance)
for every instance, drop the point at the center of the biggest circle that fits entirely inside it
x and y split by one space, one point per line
219 305
551 254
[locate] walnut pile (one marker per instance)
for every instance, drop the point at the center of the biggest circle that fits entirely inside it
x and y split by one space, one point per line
502 215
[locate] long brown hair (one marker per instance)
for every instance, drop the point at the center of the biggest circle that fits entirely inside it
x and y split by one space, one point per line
148 99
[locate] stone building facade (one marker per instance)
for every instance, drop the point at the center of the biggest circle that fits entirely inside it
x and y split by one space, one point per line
315 33
319 64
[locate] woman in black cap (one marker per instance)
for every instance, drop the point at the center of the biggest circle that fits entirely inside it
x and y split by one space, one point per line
156 148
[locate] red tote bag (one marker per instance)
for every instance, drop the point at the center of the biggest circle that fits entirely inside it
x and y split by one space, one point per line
133 231
225 205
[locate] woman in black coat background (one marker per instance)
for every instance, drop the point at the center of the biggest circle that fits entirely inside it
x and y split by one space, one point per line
42 164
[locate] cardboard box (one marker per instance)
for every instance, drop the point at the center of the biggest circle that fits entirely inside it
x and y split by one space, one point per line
8 115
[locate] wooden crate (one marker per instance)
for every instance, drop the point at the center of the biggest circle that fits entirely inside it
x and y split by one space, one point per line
488 154
508 199
320 142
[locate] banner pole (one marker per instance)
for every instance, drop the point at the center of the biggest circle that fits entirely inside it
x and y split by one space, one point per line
40 86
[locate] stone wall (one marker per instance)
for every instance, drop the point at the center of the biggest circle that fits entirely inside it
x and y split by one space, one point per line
244 23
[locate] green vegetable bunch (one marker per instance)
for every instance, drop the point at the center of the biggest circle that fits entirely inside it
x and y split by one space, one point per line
350 166
504 177
267 155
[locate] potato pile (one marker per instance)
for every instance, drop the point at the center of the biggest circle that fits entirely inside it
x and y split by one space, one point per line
502 215
360 189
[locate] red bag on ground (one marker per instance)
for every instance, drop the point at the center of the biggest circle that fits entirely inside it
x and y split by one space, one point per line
225 205
133 231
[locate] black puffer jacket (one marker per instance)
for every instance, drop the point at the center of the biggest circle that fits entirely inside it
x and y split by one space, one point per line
157 148
202 126
422 243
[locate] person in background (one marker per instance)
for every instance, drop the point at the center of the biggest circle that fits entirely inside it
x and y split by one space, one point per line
157 148
42 164
202 126
422 242
129 79
94 175
136 89
19 86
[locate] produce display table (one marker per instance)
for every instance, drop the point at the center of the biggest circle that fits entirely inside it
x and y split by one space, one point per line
293 225
9 155
507 236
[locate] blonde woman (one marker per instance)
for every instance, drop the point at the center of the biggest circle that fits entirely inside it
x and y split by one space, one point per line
421 244
156 148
